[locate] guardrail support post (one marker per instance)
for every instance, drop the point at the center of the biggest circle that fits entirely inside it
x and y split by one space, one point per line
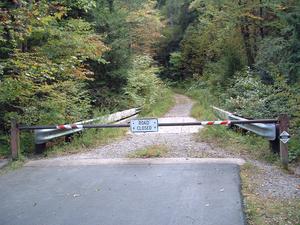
14 140
275 144
284 126
40 148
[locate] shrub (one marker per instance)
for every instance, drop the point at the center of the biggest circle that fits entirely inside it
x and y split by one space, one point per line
249 97
144 88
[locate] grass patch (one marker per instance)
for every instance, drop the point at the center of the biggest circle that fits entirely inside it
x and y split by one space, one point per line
247 145
4 146
86 140
26 147
202 108
4 150
161 107
154 151
266 211
13 165
200 112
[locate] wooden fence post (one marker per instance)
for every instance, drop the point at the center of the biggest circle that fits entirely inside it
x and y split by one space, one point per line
14 140
283 127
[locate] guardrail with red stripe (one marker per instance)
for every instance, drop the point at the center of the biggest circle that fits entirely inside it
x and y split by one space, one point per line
75 126
200 123
275 132
69 127
262 129
43 134
61 130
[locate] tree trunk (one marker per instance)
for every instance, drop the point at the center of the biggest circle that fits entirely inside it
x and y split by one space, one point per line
261 14
247 42
111 5
245 31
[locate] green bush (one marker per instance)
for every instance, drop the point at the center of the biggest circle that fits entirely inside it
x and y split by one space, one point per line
144 88
251 98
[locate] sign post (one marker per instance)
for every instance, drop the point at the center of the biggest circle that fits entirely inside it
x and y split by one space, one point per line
284 138
144 125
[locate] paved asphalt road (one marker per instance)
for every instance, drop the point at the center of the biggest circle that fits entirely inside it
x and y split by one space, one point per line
122 194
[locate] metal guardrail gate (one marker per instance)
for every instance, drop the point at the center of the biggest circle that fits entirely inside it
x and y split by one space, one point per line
263 127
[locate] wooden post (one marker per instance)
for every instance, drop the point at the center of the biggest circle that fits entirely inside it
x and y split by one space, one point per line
14 140
284 126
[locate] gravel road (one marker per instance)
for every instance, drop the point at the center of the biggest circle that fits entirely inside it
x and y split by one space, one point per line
181 142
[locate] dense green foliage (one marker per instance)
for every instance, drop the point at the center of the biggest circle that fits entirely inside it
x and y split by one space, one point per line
143 88
61 60
246 53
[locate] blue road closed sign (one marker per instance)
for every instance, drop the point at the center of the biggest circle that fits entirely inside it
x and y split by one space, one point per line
144 125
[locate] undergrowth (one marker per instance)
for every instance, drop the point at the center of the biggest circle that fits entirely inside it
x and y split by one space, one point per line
161 107
26 147
238 143
85 141
154 151
244 144
13 165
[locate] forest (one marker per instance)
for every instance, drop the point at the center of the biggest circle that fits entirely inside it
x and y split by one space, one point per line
62 61
245 54
65 61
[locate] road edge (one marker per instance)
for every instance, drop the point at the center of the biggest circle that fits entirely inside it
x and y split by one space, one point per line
130 161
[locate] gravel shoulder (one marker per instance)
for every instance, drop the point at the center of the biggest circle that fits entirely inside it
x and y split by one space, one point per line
181 143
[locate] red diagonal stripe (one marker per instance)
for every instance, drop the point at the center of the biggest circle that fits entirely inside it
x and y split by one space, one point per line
224 122
62 127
